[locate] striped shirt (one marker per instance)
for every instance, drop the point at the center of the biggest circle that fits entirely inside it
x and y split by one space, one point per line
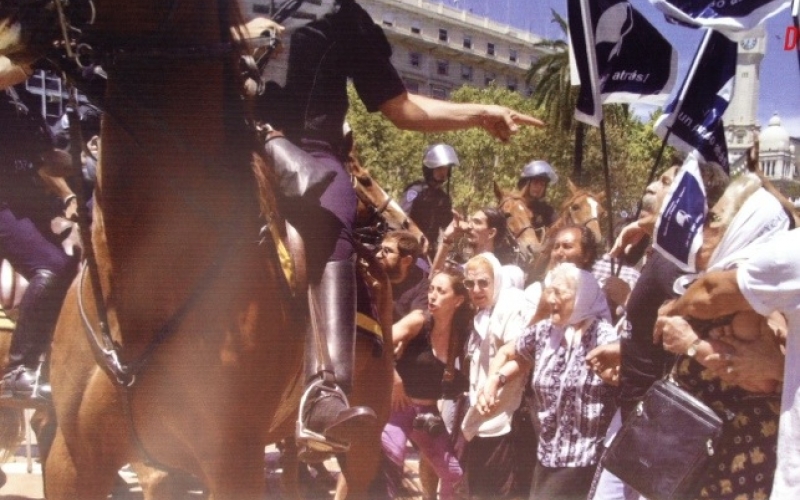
574 406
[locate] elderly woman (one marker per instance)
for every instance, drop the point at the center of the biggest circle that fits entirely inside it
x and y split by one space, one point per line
430 346
736 369
574 405
489 457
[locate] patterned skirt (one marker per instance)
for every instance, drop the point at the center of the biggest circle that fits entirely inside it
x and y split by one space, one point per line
745 461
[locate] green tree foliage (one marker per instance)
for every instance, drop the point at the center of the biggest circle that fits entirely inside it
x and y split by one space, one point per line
395 157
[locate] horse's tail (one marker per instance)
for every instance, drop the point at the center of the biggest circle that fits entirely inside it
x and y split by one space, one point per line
12 430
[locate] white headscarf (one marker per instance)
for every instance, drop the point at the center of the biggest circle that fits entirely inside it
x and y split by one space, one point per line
482 317
759 218
590 301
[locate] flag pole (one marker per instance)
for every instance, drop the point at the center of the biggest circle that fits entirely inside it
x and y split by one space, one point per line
678 103
796 20
607 175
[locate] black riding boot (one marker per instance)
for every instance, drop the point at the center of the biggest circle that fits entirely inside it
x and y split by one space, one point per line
38 313
326 423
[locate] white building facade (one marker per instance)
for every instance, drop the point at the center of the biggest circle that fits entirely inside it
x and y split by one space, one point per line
778 155
437 48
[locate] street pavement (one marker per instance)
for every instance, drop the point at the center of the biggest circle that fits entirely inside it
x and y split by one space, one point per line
26 484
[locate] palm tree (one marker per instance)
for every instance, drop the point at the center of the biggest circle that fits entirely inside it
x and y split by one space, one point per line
550 78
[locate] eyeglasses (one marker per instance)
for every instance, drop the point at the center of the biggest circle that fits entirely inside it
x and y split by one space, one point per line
482 283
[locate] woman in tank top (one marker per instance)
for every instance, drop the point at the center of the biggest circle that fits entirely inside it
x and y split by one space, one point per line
419 371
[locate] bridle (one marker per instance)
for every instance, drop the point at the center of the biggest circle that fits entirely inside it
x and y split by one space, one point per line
595 217
518 234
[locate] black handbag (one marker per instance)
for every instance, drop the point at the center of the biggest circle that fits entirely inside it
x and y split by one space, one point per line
666 445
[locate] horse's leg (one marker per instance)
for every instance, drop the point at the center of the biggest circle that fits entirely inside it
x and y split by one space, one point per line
158 484
67 479
372 388
43 423
237 472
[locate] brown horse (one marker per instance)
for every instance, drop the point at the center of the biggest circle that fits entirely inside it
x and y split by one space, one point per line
581 208
374 201
519 220
206 330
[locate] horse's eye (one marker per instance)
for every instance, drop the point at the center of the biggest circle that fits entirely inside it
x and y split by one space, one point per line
575 207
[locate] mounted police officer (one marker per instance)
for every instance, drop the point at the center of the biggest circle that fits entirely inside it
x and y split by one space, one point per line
428 205
536 176
307 99
30 175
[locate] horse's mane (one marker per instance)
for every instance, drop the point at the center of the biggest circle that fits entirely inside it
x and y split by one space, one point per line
241 135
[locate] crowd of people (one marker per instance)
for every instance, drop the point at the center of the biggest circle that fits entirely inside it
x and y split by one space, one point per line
509 385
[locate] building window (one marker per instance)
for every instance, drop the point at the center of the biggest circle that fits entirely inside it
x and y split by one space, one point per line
438 92
262 9
468 42
442 35
512 84
466 72
512 55
442 67
490 49
412 86
416 28
388 19
415 59
489 78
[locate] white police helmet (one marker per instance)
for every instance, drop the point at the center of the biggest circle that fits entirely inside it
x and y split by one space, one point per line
440 155
539 168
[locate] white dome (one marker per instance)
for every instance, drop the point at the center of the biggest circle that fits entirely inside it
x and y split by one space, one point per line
774 137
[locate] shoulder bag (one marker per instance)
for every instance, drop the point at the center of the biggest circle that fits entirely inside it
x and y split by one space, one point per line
666 445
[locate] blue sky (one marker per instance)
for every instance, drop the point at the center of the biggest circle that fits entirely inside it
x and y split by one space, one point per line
780 71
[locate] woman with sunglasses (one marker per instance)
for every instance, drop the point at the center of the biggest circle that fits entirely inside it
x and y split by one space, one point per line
574 405
432 342
490 454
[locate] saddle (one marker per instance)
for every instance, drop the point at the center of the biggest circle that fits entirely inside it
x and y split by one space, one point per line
290 248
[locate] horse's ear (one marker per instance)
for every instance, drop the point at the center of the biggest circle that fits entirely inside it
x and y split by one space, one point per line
573 189
498 193
600 197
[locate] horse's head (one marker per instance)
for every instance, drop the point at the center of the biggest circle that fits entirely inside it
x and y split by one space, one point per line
583 208
519 220
29 29
378 202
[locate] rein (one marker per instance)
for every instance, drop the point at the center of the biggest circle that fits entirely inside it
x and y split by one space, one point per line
106 351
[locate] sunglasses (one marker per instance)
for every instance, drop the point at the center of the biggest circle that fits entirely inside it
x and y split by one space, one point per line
482 283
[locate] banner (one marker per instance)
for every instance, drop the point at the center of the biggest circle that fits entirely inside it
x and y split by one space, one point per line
727 16
694 117
679 230
620 57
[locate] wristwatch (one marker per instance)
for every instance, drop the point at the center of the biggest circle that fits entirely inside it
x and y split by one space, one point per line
501 379
692 350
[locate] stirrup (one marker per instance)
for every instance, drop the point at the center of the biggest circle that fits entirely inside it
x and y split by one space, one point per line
313 446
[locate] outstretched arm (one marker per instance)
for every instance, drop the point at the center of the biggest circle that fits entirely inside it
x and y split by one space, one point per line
424 114
12 74
713 295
